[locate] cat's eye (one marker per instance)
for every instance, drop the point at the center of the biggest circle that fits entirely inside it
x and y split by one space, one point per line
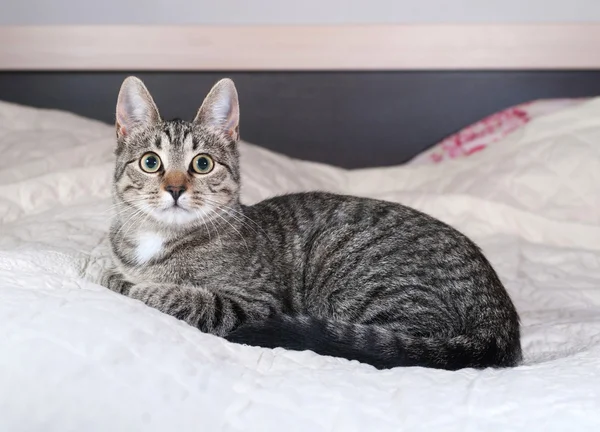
150 162
202 164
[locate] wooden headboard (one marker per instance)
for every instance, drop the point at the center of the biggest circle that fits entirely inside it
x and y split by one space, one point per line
352 96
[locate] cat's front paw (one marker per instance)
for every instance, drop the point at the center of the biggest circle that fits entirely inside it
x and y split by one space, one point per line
158 296
115 282
182 302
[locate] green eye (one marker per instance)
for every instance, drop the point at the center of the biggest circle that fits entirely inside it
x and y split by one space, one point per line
150 162
202 164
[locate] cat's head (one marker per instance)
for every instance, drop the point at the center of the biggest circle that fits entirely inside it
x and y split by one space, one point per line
176 173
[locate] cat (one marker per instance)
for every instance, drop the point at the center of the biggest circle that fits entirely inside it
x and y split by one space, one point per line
343 276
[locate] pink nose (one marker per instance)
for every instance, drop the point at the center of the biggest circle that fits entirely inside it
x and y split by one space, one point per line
176 190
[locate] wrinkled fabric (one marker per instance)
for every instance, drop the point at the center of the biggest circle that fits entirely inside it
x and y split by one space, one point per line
76 357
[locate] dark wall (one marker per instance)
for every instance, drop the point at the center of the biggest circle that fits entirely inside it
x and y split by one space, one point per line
351 119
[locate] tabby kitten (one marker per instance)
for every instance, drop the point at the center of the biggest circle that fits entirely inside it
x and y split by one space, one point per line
342 276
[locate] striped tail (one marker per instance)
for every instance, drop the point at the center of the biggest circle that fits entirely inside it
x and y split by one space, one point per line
379 346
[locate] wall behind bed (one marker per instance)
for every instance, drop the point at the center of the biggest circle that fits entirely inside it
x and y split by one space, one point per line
280 12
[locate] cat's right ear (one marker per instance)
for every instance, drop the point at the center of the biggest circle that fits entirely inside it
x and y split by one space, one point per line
135 107
221 109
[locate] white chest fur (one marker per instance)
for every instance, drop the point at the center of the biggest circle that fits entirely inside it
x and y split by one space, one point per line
150 245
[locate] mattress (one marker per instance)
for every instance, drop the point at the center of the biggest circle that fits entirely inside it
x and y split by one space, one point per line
76 357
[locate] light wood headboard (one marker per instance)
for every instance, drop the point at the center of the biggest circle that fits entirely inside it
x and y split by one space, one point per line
369 47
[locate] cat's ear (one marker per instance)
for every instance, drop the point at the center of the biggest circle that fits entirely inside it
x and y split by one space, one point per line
221 109
135 107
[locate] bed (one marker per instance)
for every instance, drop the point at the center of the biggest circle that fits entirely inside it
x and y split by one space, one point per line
75 356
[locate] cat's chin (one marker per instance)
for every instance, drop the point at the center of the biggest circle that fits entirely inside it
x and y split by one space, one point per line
177 216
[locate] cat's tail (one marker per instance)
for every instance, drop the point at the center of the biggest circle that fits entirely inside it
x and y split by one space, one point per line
379 346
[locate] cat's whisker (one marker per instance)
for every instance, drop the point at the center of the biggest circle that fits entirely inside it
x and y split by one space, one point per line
227 208
233 216
148 214
131 221
125 226
235 229
216 230
133 215
251 228
197 212
120 211
124 206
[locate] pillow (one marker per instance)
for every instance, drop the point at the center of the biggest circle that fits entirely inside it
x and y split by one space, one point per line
490 130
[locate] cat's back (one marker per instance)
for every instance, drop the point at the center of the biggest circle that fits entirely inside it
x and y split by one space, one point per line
309 211
324 229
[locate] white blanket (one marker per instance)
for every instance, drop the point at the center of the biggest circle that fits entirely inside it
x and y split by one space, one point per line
77 357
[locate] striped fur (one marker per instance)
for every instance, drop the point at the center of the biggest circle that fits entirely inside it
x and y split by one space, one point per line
344 276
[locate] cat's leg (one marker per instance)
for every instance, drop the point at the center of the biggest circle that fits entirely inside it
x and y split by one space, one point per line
115 281
212 312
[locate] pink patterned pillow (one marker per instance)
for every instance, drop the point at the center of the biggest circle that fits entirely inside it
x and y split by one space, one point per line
491 129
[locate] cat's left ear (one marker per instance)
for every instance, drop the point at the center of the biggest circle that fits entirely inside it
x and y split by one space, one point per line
221 109
135 107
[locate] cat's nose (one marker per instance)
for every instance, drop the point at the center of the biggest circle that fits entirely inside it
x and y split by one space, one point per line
176 191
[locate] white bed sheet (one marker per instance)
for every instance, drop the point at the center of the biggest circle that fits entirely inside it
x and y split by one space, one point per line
77 357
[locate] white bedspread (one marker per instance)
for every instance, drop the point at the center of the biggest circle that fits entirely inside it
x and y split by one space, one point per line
77 357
